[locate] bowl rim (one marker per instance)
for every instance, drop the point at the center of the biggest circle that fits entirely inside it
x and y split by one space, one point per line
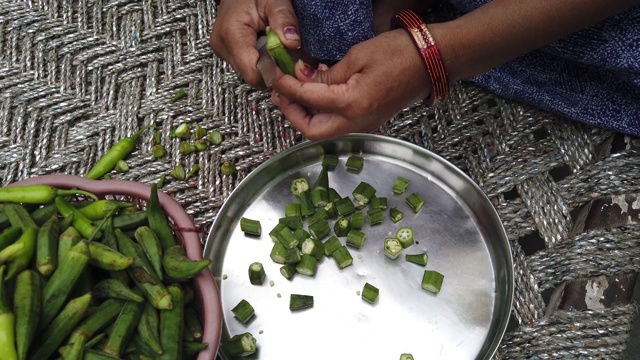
205 286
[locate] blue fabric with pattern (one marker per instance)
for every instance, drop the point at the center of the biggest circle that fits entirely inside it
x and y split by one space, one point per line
592 76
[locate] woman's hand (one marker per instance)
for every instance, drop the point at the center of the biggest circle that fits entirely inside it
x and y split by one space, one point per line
375 80
234 32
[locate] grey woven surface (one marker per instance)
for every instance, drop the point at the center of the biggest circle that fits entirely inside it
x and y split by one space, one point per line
76 76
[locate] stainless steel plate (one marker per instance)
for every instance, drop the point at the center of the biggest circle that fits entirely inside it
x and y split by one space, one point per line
458 227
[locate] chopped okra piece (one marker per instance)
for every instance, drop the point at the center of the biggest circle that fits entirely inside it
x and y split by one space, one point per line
292 209
406 357
201 144
432 281
307 265
320 229
330 161
333 195
299 302
370 293
362 194
182 131
158 151
287 270
405 236
215 137
342 227
416 201
250 226
299 185
375 216
186 148
345 206
322 182
312 246
301 235
331 210
357 220
241 345
227 168
278 253
355 239
395 214
292 256
400 185
319 197
274 234
256 273
320 214
420 259
243 311
354 163
178 173
292 222
286 238
306 204
200 132
378 203
331 245
343 257
392 248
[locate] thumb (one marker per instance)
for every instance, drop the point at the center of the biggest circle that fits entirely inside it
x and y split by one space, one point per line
282 19
323 74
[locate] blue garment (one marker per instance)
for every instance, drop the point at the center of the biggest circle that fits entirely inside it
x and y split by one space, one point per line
591 76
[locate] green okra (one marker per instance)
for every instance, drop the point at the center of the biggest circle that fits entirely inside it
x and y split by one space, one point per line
287 270
27 305
115 289
158 220
19 216
279 52
241 345
149 328
179 267
47 246
308 265
130 220
192 323
250 226
370 293
331 245
192 348
97 320
61 326
257 275
80 222
300 301
123 328
21 259
172 325
152 247
106 258
59 286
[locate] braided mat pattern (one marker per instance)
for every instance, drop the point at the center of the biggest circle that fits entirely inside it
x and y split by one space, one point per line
76 76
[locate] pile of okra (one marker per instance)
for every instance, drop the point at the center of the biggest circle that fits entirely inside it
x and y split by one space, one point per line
89 278
304 235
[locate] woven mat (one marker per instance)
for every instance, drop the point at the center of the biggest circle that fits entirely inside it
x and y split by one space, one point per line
76 76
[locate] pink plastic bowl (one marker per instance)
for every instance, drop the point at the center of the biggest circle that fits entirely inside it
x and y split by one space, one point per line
204 285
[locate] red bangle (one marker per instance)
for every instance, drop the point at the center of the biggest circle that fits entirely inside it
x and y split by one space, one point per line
429 50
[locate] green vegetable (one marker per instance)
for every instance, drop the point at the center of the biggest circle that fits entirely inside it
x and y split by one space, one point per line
158 151
194 170
299 301
370 293
241 345
354 163
345 206
122 166
61 326
149 328
104 257
256 273
201 144
228 168
278 253
342 257
362 194
250 226
392 248
19 216
27 304
9 236
152 247
375 216
405 236
200 132
406 357
293 209
432 281
355 238
243 311
286 238
320 229
115 289
7 323
179 267
400 185
84 225
306 204
36 194
333 195
312 246
118 151
357 220
179 95
215 137
299 185
292 222
378 203
186 148
178 172
420 259
182 131
22 257
158 221
319 197
287 270
123 328
342 227
330 161
59 286
416 201
172 325
279 53
97 320
100 209
308 265
331 245
395 214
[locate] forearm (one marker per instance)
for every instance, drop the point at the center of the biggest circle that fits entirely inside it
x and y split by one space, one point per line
502 30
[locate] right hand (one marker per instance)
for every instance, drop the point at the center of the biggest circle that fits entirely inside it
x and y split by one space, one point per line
234 32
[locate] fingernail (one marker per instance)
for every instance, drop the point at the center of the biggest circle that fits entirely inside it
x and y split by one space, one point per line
307 70
291 33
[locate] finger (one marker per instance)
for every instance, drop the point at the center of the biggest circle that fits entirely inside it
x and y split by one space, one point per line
314 126
315 95
283 20
243 54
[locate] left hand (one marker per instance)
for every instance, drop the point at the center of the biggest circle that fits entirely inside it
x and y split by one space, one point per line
374 81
